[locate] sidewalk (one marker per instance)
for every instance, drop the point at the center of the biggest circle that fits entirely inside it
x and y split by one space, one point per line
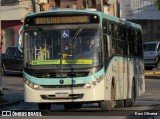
12 89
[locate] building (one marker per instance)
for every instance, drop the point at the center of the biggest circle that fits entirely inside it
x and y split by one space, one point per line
99 5
13 12
144 13
12 15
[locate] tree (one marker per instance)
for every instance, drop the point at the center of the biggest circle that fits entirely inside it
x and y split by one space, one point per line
157 3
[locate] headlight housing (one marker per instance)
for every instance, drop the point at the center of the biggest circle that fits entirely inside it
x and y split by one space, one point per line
94 82
31 84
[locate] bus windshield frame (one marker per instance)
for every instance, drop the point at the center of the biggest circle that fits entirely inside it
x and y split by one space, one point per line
73 49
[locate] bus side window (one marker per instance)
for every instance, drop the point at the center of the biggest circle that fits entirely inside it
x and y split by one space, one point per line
109 29
105 25
114 47
105 50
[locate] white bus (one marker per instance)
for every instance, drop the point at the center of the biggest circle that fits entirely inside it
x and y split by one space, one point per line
77 57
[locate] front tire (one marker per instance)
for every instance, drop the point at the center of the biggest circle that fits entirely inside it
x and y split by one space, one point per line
109 105
105 105
72 106
120 103
44 106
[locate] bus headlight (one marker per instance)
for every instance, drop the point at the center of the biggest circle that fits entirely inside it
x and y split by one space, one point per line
31 84
94 82
88 85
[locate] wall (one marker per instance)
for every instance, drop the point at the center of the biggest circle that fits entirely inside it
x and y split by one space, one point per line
10 27
79 5
144 13
139 9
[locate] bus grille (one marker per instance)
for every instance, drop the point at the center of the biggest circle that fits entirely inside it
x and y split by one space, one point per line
63 86
61 74
71 96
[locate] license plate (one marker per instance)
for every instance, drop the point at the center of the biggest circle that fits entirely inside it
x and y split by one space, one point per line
62 95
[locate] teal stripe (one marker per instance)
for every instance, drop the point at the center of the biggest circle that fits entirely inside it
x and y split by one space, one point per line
67 81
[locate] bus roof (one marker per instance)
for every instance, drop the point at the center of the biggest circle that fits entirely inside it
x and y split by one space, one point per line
103 15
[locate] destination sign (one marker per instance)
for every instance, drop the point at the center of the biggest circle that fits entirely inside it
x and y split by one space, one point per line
62 20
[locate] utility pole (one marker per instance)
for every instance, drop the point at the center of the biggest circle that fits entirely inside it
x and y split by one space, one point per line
102 9
86 4
33 5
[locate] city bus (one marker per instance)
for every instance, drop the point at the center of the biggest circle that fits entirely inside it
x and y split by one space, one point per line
76 57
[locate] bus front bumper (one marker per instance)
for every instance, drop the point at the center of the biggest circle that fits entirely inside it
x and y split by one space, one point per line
63 95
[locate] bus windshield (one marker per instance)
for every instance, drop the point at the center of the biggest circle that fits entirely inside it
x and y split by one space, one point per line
70 47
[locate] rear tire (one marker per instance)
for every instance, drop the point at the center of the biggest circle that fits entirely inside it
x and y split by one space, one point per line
131 102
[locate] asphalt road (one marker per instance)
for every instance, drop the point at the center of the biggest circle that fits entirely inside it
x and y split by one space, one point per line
150 102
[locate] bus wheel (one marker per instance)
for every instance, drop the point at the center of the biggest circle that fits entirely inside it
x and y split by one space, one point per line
109 105
77 106
130 102
44 106
120 103
105 105
68 106
72 106
158 65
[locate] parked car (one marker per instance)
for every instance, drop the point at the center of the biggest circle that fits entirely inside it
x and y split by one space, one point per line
12 61
151 55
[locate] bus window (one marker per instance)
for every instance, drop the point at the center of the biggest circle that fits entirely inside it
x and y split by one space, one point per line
106 56
121 47
114 47
105 24
116 31
109 29
122 33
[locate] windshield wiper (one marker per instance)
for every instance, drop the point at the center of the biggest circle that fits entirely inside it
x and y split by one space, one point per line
79 29
42 30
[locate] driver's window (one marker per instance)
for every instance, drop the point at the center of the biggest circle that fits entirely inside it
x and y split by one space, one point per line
106 57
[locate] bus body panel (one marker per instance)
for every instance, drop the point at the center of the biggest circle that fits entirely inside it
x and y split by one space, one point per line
89 95
124 70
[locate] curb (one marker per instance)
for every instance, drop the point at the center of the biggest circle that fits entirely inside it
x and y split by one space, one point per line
8 104
152 72
152 77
